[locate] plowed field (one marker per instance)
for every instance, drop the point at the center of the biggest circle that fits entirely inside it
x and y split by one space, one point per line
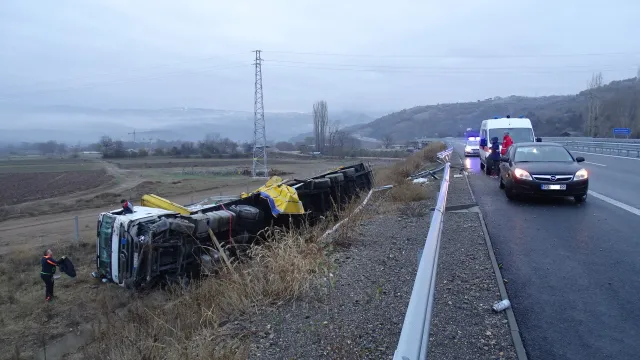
17 188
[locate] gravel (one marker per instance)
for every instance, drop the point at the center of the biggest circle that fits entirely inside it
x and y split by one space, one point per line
463 325
358 310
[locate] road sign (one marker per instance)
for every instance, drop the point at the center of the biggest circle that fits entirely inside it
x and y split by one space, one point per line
622 131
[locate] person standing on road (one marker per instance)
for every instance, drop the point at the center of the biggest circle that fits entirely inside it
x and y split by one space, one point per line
493 165
506 142
48 270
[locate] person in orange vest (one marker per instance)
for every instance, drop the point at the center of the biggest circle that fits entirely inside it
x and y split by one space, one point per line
48 269
506 142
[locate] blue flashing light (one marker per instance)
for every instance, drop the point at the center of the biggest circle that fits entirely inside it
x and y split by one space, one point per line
521 116
495 117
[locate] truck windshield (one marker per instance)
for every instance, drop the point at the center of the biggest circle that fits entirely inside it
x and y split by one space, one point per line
104 241
518 135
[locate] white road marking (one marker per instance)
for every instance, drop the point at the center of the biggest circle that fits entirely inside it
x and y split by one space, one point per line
592 163
615 156
617 203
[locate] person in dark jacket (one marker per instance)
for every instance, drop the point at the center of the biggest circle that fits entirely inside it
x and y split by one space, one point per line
493 165
48 269
127 207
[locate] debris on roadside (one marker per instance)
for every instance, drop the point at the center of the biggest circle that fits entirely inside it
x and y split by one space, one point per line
501 305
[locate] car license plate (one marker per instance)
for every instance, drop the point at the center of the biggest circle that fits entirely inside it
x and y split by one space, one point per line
554 187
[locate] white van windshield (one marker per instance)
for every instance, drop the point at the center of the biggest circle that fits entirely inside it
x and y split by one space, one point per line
518 135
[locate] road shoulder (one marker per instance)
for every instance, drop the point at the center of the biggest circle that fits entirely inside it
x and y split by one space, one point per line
464 326
356 309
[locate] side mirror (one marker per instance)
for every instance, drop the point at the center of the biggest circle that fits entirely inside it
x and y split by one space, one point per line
483 142
538 139
579 159
504 159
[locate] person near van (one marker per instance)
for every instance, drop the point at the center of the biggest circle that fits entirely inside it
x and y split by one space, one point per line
127 207
48 270
493 163
506 142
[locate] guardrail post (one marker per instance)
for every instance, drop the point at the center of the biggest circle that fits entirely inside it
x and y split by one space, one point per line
77 237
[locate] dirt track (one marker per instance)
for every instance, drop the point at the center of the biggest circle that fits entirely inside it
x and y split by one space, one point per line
43 230
38 231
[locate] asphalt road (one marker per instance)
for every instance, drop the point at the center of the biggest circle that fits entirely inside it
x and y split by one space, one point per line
573 271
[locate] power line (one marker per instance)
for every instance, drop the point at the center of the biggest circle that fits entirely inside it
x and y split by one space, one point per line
436 68
496 56
259 168
452 70
126 80
44 83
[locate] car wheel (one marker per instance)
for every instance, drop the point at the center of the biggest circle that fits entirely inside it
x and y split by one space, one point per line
511 195
501 183
481 165
580 198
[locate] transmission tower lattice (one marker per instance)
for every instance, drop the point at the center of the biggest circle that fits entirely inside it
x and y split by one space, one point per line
259 134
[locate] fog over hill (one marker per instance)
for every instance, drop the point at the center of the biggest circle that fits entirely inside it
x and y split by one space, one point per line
551 115
82 124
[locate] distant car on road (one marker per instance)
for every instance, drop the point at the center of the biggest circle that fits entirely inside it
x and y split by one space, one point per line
543 169
472 147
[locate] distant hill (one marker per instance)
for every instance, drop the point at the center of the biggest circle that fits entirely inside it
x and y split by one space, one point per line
551 115
72 124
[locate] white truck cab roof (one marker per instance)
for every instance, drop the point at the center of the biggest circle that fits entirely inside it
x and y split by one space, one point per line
141 212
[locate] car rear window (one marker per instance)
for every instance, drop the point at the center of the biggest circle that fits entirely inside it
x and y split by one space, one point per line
542 153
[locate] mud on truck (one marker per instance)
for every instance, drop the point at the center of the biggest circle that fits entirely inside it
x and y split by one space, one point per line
163 241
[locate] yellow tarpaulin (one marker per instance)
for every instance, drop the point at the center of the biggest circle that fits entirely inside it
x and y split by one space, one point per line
282 199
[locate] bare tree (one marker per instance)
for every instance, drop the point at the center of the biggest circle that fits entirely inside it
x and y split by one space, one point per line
387 140
320 123
332 131
594 105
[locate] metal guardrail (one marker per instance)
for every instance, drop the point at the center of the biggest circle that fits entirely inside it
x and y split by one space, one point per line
445 154
590 139
628 149
414 338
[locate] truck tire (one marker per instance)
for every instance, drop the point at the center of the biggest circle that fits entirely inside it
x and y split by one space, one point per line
348 173
335 178
322 183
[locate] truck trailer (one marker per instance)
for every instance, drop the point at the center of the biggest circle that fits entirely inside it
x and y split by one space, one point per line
164 241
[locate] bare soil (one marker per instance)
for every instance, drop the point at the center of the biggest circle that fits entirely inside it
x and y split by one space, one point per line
23 187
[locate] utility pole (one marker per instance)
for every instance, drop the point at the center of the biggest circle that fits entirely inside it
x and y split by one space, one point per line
259 168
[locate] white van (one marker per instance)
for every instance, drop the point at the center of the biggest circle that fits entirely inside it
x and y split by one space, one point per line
519 129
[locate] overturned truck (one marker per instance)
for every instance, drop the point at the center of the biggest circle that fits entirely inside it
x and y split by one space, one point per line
162 241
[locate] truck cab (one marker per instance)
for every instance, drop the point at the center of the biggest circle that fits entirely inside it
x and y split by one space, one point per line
118 241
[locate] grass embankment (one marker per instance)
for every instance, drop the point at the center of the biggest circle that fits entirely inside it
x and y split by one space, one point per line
201 321
404 190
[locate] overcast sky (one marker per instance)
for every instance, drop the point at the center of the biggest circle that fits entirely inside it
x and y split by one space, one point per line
356 54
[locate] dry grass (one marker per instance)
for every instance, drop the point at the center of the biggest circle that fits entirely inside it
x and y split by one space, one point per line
197 322
27 323
403 190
